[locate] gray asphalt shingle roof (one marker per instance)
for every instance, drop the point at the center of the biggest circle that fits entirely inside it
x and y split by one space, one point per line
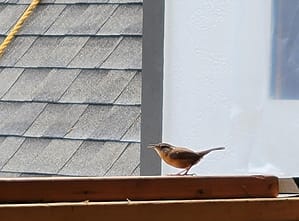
70 89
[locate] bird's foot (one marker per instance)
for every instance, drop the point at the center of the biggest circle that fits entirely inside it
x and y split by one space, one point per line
181 174
190 174
174 174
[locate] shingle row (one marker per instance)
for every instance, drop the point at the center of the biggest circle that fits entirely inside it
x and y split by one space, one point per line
70 86
72 121
67 157
74 52
78 19
73 1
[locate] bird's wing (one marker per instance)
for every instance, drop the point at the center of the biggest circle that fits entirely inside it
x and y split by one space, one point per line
183 154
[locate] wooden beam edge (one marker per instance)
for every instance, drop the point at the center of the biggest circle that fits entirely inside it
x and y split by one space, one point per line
135 188
208 210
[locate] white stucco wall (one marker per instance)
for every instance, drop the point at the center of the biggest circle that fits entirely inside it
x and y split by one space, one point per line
216 88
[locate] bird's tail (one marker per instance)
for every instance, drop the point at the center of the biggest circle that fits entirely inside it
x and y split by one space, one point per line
205 152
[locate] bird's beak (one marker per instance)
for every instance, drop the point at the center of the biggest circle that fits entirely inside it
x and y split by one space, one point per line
151 146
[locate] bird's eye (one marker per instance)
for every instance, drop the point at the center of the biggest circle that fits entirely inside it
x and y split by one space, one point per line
164 148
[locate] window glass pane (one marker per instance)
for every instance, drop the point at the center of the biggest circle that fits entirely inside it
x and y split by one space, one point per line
285 64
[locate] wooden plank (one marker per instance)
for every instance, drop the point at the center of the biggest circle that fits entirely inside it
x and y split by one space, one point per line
135 188
274 209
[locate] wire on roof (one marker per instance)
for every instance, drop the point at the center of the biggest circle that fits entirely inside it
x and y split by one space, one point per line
18 26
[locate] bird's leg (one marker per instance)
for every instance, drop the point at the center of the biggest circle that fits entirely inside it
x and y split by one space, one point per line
186 171
181 173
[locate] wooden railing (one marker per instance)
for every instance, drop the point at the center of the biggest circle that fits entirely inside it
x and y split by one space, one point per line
145 198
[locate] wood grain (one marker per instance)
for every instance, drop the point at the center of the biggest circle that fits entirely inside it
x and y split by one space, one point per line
25 190
274 209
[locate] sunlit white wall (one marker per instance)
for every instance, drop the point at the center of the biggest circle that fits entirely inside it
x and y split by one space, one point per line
216 84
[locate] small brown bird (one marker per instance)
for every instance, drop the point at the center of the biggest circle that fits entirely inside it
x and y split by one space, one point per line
180 157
